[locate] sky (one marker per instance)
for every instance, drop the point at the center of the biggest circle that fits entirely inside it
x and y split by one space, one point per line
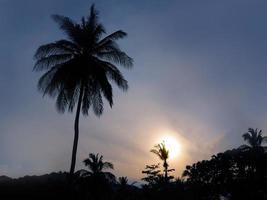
199 75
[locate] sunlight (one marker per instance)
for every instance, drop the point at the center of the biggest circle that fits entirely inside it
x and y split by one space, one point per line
172 145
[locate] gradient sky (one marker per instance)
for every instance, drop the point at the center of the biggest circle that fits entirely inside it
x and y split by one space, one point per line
199 74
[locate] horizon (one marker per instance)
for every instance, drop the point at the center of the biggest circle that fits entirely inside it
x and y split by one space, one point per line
199 78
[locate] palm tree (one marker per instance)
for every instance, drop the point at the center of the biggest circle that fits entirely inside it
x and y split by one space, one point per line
163 153
254 139
96 167
123 181
254 151
78 70
95 183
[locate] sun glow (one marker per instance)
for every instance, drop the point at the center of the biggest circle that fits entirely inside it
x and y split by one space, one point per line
172 145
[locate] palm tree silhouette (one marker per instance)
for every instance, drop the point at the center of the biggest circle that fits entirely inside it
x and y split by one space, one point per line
163 153
255 151
254 139
96 167
78 70
123 181
95 183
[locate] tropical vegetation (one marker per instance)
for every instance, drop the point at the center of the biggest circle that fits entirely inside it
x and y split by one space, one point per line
78 69
234 174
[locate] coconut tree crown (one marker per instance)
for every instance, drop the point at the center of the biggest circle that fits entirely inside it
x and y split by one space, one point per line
83 64
161 151
96 164
97 168
254 137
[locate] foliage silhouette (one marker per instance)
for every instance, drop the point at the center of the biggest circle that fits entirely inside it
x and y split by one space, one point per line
254 139
78 70
95 183
153 175
163 153
124 190
239 173
235 174
96 165
255 154
123 181
157 187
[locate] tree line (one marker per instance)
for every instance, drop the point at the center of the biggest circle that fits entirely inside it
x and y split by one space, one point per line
239 173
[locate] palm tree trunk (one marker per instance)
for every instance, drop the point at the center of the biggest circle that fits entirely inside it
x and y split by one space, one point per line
76 133
166 170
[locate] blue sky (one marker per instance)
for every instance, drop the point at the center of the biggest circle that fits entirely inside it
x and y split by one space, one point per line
199 74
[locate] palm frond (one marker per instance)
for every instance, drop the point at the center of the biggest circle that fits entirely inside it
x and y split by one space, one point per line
107 46
123 180
113 36
99 30
117 56
59 77
72 29
155 151
109 176
50 49
87 100
90 160
97 103
73 94
108 165
246 136
106 89
118 78
115 75
62 101
51 60
92 19
87 162
264 139
44 83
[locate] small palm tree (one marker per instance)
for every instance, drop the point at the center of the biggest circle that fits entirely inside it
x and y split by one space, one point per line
163 153
254 138
123 181
78 70
96 167
255 150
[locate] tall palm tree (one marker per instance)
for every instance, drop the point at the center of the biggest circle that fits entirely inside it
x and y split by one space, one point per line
254 138
163 153
78 70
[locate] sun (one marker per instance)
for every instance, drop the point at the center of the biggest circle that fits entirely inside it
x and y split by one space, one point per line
172 145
